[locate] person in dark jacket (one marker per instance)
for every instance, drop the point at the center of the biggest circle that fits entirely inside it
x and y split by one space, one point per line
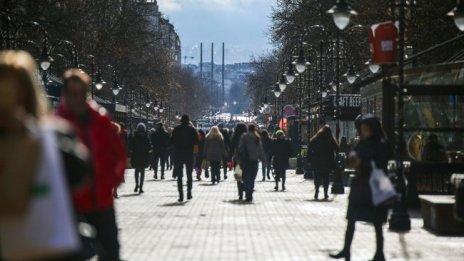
140 155
240 129
215 151
433 151
225 135
200 156
373 146
267 146
250 153
184 138
322 148
281 151
160 141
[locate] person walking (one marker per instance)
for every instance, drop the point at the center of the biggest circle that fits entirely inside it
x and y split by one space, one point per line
250 153
160 141
372 146
267 146
215 151
281 151
140 155
184 138
225 134
201 155
322 148
95 200
240 129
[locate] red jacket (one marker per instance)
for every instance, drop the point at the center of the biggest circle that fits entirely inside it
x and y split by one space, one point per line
108 158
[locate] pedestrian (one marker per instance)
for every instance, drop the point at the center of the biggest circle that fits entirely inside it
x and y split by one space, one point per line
433 151
170 153
184 138
200 156
215 151
322 148
160 142
225 134
267 146
372 146
122 134
240 129
93 126
140 155
281 151
41 160
250 153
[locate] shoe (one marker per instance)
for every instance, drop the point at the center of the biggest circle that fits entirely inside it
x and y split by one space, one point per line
225 177
268 177
240 197
316 195
214 182
249 200
140 191
155 176
162 177
189 196
326 196
181 199
378 257
342 254
276 189
136 188
283 188
264 179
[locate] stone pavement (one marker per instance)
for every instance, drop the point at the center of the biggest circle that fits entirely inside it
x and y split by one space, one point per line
277 226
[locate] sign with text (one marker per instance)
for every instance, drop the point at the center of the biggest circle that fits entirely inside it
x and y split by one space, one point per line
383 42
346 100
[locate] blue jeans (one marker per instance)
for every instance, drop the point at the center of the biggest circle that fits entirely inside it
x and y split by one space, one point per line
250 170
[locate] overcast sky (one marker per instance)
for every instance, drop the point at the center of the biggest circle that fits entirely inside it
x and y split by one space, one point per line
242 24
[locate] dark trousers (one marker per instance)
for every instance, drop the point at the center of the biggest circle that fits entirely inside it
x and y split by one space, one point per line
321 177
215 171
159 156
350 233
266 169
139 177
250 170
107 234
225 166
280 175
179 171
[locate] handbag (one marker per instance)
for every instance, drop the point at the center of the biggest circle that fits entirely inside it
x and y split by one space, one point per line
205 164
383 192
238 173
48 229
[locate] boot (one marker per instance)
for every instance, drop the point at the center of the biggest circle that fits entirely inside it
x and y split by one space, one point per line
189 195
283 186
136 188
378 257
276 188
316 195
341 254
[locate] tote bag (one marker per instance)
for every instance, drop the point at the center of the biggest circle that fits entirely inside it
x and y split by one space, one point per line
382 189
238 173
49 228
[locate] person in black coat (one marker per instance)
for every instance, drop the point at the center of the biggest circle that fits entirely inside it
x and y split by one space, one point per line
160 141
322 150
267 146
240 129
184 138
281 151
372 147
140 155
225 135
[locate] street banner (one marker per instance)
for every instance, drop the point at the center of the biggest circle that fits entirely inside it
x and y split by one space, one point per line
383 42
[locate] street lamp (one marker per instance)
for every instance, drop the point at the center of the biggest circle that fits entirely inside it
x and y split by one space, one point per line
290 75
458 13
341 13
282 83
98 81
351 75
301 62
374 68
277 91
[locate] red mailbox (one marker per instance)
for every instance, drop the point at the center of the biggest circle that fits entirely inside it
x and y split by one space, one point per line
383 42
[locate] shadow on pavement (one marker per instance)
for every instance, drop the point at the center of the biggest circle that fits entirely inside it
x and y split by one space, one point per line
206 184
154 180
174 204
129 195
238 202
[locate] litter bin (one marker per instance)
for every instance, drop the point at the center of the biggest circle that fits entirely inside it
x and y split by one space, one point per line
458 181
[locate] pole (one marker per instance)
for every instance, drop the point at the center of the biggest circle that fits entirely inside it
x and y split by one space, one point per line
399 220
92 72
223 70
212 68
337 186
321 81
201 62
299 168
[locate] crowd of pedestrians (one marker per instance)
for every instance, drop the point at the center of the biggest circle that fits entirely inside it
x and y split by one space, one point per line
74 159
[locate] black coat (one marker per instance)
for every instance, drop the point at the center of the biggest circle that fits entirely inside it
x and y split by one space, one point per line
321 154
360 206
267 146
184 138
159 140
281 151
140 150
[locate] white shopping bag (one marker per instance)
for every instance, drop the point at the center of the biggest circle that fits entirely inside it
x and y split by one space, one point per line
49 228
381 187
238 173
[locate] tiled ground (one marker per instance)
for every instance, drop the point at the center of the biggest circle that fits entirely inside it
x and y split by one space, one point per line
277 226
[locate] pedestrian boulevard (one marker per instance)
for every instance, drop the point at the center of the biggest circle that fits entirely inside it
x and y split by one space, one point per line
288 225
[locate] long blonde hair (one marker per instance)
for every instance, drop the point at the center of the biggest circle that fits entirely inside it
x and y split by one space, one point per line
214 133
21 65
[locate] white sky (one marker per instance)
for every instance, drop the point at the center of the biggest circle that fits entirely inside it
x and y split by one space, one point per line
242 24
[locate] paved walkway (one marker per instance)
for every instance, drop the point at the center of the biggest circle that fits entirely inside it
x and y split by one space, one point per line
277 226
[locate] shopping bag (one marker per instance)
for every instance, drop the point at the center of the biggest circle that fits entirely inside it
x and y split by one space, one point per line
230 164
205 164
238 173
383 192
48 229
